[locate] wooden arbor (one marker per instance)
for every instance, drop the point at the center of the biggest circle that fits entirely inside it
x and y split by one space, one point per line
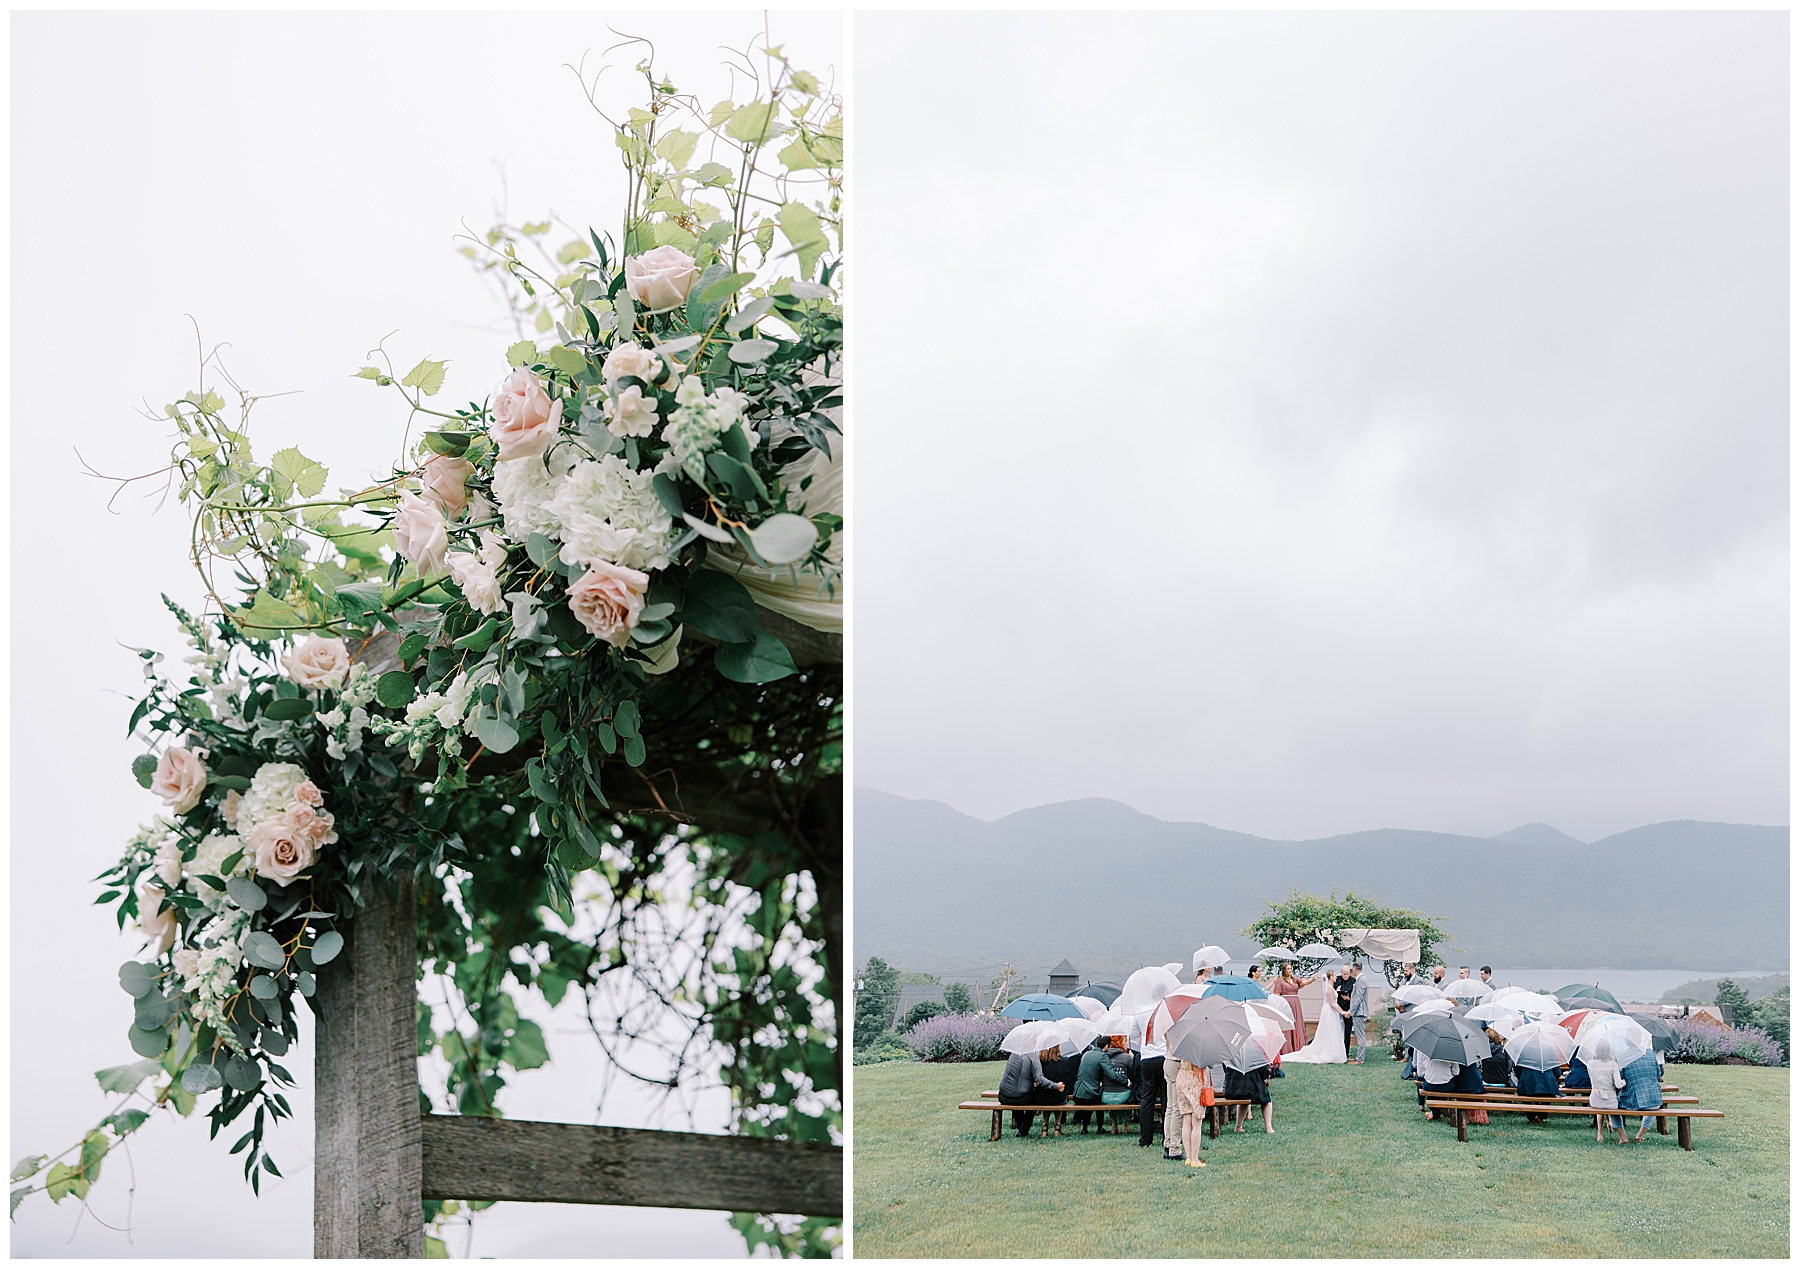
377 1157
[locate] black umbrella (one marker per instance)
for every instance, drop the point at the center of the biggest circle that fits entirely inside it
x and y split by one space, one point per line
1662 1035
1572 1003
1105 993
1445 1039
1209 1031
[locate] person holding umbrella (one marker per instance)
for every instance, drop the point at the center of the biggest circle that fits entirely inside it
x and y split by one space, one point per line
1247 1077
1603 1069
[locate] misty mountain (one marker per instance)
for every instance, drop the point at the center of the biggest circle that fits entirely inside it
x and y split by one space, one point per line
939 891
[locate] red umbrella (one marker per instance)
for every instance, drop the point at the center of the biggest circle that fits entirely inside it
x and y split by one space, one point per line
1172 1007
1572 1021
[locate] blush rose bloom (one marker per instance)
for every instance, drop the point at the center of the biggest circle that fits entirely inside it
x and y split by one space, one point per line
314 825
633 414
180 779
629 359
608 599
157 927
446 483
308 792
282 852
525 418
228 808
419 533
168 863
660 279
318 663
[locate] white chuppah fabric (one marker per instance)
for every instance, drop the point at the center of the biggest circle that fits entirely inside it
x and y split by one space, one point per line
1388 945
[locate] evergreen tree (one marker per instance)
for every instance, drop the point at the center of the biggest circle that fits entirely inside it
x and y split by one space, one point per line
957 996
877 992
1734 998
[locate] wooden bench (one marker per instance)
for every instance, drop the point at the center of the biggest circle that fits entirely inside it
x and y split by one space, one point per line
1683 1116
1061 1111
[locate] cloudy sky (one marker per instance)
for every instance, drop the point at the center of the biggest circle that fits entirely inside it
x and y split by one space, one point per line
294 183
1313 423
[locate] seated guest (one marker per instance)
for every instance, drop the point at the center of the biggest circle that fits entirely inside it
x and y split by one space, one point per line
1536 1084
1253 1086
1437 1076
1093 1076
1643 1088
1064 1070
1496 1068
1578 1074
1025 1084
1603 1070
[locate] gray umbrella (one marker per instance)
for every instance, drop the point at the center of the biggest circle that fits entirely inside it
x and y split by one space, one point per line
1249 1057
1445 1038
1662 1035
1209 1031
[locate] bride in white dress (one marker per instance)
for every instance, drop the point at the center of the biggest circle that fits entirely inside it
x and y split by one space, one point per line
1328 1041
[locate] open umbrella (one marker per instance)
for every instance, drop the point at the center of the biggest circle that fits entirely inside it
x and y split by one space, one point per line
1319 952
1662 1035
1114 1022
1540 1046
1250 1055
1629 1041
1588 991
1041 1005
1171 1007
1208 1031
1444 1038
1235 987
1105 993
1588 1002
1276 953
1074 1034
1267 1032
1275 1009
1178 969
1212 955
1417 994
1144 988
1505 1026
1572 1020
1024 1037
1511 989
1443 1004
1469 989
1089 1006
1494 1011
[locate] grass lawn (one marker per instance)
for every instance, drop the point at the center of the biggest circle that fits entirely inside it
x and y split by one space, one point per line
1352 1170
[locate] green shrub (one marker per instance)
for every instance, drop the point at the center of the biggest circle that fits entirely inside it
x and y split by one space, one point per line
886 1047
958 998
919 1012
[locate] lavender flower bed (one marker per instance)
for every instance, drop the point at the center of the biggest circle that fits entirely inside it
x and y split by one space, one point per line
1699 1042
959 1037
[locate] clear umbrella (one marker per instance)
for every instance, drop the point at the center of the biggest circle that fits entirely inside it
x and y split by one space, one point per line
1319 952
1250 1055
1417 994
1089 1006
1276 953
1627 1039
1275 1009
1179 970
1470 989
1073 1034
1144 989
1213 955
1114 1022
1269 1034
1442 1004
1494 1011
1532 1005
1024 1037
1540 1046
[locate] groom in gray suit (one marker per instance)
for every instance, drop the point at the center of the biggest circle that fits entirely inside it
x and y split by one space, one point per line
1359 1011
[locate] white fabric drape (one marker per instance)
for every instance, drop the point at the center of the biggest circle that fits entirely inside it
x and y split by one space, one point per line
1388 945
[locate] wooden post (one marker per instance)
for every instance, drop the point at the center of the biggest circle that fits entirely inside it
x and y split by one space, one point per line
366 1131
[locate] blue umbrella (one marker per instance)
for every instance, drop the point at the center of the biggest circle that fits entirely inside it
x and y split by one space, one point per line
1235 987
1041 1005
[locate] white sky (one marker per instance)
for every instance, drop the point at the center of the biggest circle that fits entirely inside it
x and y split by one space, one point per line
293 182
1311 423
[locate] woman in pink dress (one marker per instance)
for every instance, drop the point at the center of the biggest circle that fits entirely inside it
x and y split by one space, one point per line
1285 984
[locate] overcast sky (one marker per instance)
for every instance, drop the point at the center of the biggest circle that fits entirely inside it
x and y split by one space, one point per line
1312 423
293 182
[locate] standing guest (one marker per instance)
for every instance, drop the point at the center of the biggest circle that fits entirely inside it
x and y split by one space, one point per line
1604 1095
1409 976
1151 1088
1643 1088
1188 1083
1487 975
1173 1148
1462 973
1359 1010
1288 987
1437 976
1025 1084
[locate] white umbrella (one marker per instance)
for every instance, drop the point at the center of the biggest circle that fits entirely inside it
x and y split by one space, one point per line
1417 994
1628 1040
1494 1011
1114 1022
1275 1008
1212 955
1440 1005
1144 989
1511 990
1181 972
1024 1037
1319 952
1469 989
1505 1025
1276 953
1073 1034
1270 1036
1090 1008
1533 1005
1540 1046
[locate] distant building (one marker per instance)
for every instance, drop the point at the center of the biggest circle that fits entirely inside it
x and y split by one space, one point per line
1064 979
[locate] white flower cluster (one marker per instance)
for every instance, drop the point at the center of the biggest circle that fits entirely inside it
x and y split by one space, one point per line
525 490
438 717
693 430
345 724
478 573
209 970
209 860
610 512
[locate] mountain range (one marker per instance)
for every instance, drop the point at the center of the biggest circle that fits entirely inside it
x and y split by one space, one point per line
940 891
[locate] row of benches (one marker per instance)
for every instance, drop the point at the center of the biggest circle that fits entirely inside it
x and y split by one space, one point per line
1493 1098
1059 1113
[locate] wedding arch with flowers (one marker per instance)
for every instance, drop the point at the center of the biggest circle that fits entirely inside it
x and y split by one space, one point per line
567 686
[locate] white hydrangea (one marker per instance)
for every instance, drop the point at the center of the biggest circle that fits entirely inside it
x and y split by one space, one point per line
210 859
271 789
479 574
610 512
359 687
525 490
693 430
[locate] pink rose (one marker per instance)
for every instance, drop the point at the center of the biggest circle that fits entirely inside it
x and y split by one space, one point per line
318 663
446 483
313 825
157 927
228 808
660 279
525 418
180 779
308 792
168 862
282 852
419 533
608 599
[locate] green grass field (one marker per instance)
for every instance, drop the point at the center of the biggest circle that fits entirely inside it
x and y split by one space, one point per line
1353 1167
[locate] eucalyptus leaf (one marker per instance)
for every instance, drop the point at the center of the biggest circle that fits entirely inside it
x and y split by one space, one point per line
326 946
273 1042
711 532
260 948
303 981
241 1073
749 315
748 352
497 733
395 689
784 538
137 978
149 1044
263 987
719 607
144 768
763 661
246 894
201 1078
287 709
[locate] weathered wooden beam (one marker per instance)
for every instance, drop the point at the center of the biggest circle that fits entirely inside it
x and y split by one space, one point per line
366 1072
806 645
471 1157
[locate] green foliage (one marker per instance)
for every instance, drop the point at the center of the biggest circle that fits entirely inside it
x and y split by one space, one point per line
1307 918
877 995
958 998
889 1046
1730 996
919 1012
